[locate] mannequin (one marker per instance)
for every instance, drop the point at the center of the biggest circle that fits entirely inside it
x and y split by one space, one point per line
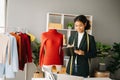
51 53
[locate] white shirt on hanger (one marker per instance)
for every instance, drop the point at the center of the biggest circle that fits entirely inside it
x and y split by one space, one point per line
4 45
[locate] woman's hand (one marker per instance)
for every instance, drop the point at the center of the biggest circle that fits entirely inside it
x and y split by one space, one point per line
69 45
79 52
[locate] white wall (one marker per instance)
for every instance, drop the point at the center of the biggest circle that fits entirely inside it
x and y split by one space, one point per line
31 14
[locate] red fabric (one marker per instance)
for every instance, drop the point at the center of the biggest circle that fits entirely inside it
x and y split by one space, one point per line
23 52
28 48
24 48
26 52
51 48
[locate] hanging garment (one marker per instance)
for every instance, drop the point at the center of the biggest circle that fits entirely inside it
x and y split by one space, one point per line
19 47
26 52
4 42
18 39
51 48
28 48
4 45
32 37
12 67
24 48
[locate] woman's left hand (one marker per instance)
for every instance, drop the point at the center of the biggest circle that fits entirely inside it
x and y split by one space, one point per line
79 52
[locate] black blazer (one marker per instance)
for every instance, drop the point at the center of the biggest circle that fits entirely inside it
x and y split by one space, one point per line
82 60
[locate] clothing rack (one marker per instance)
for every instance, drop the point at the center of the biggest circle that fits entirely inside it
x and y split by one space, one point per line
16 29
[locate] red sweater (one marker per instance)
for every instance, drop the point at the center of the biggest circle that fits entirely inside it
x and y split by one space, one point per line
51 48
26 51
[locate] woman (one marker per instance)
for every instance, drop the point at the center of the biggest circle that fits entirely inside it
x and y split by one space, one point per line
84 48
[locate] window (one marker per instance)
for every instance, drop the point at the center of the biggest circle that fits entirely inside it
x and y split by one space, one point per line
2 16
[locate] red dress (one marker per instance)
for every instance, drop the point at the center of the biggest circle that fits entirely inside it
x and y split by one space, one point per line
51 48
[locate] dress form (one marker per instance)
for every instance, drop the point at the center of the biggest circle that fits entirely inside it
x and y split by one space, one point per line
51 53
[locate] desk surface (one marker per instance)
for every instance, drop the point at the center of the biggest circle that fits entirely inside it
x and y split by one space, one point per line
39 79
97 79
83 79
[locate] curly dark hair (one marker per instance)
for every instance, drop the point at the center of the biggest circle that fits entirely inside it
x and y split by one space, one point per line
84 20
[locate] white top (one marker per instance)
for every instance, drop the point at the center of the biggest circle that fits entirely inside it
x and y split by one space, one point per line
80 35
4 46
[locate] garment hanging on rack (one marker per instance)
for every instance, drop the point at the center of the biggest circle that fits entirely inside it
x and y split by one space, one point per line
4 45
10 66
24 48
9 61
23 45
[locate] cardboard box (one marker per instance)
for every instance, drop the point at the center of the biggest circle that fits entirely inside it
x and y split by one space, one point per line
102 74
63 70
54 26
38 75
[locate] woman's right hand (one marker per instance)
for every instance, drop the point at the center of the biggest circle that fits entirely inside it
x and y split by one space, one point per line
79 52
